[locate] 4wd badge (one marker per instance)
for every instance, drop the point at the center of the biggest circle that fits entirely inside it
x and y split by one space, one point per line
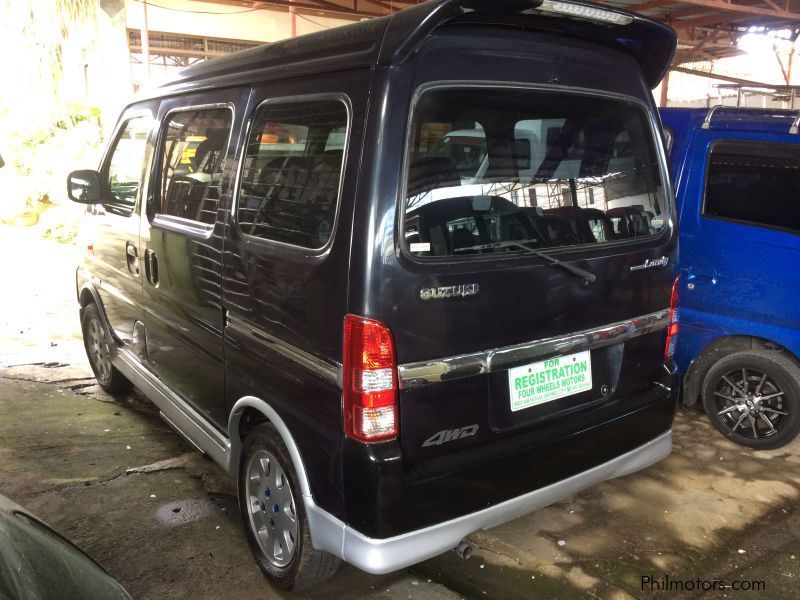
448 435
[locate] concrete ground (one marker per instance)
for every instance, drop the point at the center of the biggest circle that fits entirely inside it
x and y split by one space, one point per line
110 475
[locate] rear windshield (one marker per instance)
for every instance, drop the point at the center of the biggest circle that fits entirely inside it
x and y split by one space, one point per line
501 170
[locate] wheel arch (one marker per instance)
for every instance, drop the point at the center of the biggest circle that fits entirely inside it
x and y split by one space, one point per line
717 349
250 411
87 295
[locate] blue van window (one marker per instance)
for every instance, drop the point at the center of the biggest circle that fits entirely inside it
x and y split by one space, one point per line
754 182
291 172
495 171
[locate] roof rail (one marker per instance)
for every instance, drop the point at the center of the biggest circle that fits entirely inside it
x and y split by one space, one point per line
707 121
794 129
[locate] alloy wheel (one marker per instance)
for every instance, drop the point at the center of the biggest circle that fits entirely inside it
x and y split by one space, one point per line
99 352
750 403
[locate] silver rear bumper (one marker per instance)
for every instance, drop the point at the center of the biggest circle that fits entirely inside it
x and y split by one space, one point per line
379 556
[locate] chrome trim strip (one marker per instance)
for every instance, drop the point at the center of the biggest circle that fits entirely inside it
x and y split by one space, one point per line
330 371
418 374
174 409
183 226
380 556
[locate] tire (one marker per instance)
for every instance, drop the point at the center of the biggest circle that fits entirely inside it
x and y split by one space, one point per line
274 516
753 398
96 341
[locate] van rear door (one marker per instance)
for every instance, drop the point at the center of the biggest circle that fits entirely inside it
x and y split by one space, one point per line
532 296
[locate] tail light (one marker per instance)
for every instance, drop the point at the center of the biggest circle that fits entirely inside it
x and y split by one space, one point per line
674 314
369 380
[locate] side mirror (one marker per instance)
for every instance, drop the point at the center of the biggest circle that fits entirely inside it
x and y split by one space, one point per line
84 187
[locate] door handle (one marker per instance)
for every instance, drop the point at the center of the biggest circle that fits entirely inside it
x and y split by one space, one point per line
696 273
151 267
132 258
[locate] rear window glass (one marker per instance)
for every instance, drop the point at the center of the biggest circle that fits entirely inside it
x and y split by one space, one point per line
499 171
754 182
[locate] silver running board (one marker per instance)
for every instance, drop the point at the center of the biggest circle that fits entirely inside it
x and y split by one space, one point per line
174 410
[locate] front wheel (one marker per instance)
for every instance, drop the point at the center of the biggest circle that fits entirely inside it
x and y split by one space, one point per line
274 516
753 398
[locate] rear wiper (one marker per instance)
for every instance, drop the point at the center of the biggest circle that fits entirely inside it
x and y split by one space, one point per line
590 277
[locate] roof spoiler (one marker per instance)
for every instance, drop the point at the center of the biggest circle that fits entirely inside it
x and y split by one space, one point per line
650 43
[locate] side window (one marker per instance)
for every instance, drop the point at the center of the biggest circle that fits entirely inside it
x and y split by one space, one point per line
193 147
126 167
292 168
754 182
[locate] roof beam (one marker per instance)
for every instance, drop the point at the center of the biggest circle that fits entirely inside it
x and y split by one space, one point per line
696 51
637 8
749 9
735 80
717 19
773 5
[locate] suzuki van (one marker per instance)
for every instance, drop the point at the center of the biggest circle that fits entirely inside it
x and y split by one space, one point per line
388 348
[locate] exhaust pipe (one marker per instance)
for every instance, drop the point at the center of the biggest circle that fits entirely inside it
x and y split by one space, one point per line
464 550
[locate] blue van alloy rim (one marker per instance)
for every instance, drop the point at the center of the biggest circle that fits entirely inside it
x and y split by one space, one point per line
271 508
750 403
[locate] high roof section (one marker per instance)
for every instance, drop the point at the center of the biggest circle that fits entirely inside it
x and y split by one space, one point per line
707 29
391 40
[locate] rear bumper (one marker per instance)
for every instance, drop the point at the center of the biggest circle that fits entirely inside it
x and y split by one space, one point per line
379 556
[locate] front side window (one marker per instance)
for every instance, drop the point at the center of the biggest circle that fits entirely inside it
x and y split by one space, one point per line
126 166
754 182
292 167
503 170
193 147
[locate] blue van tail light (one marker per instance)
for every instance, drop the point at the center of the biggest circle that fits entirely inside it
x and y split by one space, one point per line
369 380
674 320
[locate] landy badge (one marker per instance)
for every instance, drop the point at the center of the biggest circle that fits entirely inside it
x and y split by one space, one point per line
549 379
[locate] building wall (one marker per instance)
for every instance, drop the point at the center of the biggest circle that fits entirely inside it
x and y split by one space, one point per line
98 61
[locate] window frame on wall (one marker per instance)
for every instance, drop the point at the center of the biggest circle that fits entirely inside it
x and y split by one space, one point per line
253 119
706 179
126 211
173 222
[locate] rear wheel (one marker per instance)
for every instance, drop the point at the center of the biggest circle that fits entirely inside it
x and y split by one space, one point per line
753 398
274 515
98 350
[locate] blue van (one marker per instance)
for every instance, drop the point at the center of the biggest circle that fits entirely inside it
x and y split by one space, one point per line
737 182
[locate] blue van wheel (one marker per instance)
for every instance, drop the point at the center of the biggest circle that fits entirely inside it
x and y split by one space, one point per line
753 398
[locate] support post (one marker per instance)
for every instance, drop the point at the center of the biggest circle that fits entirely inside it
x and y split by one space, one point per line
146 45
